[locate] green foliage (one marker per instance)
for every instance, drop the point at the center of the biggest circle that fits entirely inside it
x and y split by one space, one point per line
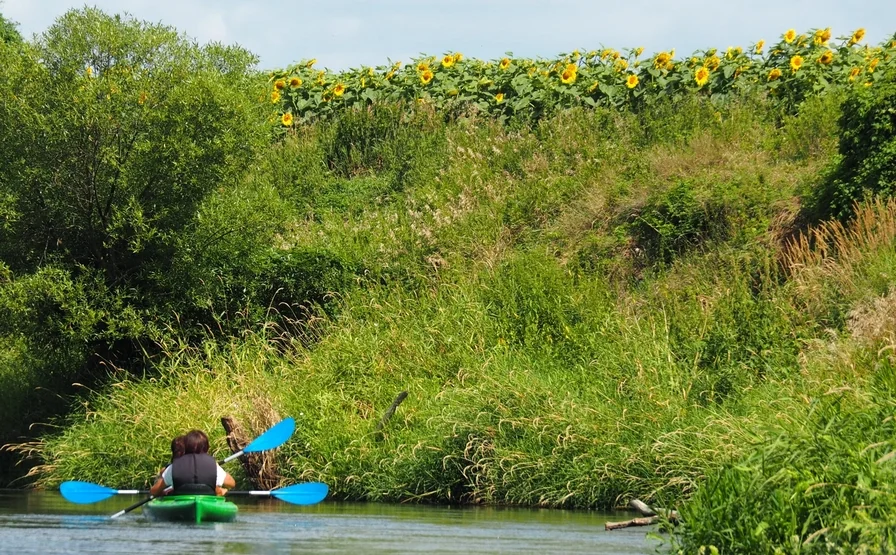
867 166
674 221
121 135
824 485
9 32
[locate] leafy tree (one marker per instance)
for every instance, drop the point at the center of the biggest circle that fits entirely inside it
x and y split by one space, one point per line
118 135
8 31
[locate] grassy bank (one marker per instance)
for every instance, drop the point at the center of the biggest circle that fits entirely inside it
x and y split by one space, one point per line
586 306
559 345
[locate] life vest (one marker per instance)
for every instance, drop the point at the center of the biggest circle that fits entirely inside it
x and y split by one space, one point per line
194 474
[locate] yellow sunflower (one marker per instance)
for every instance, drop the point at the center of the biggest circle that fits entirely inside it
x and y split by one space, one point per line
426 76
774 74
713 62
568 77
311 62
639 51
499 98
857 36
279 84
422 66
447 61
620 64
826 58
572 67
505 63
854 72
822 36
275 97
458 57
873 65
790 35
661 60
759 46
339 90
701 76
796 63
631 81
286 120
295 82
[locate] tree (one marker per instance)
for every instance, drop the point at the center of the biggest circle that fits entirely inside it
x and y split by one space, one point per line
9 32
117 135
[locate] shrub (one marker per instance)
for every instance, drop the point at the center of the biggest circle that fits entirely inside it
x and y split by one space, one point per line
867 167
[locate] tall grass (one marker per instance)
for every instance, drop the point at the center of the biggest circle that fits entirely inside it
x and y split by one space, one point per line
596 308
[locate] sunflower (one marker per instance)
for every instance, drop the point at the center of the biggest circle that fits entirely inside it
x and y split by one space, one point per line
447 61
505 63
857 36
295 82
712 63
759 46
822 36
593 87
733 52
661 60
339 90
620 64
639 51
701 76
826 58
790 35
279 84
568 77
426 76
311 62
275 97
774 74
873 65
854 72
499 98
422 66
286 120
458 57
572 67
631 81
796 63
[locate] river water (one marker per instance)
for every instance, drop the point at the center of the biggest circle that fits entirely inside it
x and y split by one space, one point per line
43 522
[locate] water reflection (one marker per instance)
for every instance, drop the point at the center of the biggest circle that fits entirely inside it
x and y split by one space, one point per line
43 522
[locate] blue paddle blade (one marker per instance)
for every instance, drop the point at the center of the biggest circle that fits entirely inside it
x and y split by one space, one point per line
85 492
274 437
308 493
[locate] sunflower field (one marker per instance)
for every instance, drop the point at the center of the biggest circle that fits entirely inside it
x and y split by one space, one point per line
789 70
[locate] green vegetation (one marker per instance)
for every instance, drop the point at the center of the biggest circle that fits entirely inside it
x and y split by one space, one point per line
585 306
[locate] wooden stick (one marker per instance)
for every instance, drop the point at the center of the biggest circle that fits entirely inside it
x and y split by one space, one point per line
641 521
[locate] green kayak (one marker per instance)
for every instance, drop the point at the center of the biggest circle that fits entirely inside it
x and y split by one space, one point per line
190 508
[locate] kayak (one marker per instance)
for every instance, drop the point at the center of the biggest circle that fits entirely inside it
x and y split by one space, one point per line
190 508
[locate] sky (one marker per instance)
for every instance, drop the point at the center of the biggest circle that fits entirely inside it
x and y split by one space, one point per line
343 34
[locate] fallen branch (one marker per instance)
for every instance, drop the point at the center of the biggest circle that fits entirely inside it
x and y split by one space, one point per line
650 516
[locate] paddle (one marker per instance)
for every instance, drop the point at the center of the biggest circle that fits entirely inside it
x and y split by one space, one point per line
307 493
271 439
90 493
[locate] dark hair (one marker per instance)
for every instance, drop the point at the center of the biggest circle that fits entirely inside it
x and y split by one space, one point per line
195 442
177 447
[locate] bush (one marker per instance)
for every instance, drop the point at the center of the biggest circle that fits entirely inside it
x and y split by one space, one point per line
867 167
121 132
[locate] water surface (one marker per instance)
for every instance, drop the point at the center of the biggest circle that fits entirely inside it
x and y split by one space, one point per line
43 522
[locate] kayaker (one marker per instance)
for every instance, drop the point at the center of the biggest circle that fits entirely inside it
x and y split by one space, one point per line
195 472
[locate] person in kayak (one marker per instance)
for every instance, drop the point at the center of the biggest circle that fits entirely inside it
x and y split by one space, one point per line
194 472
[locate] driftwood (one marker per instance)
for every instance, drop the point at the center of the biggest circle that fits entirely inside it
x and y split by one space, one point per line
389 413
259 468
649 516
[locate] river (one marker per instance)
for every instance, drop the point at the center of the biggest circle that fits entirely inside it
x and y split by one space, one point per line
43 522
